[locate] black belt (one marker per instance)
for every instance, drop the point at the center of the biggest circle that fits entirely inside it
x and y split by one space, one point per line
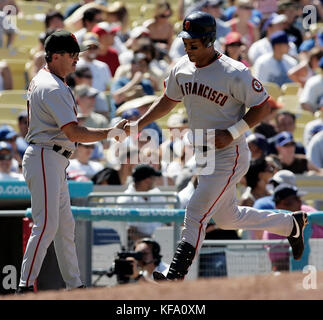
67 154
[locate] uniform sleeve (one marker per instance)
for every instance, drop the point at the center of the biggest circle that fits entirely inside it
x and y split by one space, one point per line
247 89
61 107
173 90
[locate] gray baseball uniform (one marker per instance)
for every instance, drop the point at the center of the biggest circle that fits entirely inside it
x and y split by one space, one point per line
215 97
51 106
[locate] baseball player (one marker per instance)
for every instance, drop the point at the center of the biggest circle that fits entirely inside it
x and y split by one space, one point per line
52 136
216 89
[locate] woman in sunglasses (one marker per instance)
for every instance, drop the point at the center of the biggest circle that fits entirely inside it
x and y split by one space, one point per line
234 48
161 29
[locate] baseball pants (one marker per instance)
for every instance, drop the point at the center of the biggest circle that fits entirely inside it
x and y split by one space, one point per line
215 197
44 172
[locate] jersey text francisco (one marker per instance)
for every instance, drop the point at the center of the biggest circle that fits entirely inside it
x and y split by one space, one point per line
204 91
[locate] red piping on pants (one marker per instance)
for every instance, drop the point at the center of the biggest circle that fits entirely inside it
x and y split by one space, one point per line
205 215
45 222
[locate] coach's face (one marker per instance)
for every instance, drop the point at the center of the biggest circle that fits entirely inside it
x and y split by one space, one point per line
66 62
196 51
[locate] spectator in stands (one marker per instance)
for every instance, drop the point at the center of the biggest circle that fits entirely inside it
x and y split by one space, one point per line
6 157
258 146
297 163
81 168
257 178
137 35
85 98
157 69
286 121
263 46
143 181
151 260
267 126
39 56
290 10
23 129
101 75
314 151
54 20
214 8
134 85
241 22
120 176
273 67
287 197
234 48
117 13
73 7
8 29
9 135
312 126
305 69
83 75
90 18
161 29
312 92
6 82
106 33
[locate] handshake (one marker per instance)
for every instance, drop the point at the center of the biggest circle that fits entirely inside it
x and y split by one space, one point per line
122 129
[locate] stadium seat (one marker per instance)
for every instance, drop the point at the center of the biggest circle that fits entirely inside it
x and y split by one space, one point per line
12 123
273 89
17 68
11 111
26 39
34 7
290 103
13 97
30 24
290 88
13 53
62 6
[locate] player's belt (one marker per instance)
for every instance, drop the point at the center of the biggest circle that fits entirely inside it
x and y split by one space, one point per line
67 154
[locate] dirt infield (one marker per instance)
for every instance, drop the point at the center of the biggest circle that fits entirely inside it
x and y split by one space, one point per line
284 286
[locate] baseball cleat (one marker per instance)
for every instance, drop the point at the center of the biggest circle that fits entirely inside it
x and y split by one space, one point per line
23 290
158 276
296 239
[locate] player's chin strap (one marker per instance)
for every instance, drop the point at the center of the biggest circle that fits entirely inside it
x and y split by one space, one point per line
182 260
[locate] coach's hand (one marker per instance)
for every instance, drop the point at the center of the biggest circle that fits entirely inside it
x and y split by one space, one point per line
222 138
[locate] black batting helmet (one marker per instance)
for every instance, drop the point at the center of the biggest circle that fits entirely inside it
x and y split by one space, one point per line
199 25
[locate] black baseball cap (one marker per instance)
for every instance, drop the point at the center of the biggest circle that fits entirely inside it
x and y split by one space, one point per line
144 171
285 190
63 40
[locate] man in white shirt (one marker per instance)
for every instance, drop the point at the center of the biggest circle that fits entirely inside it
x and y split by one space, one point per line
101 74
82 168
85 99
273 67
312 94
6 162
143 181
263 46
314 151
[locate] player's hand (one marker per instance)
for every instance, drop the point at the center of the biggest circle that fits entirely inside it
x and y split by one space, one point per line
222 138
130 127
117 130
